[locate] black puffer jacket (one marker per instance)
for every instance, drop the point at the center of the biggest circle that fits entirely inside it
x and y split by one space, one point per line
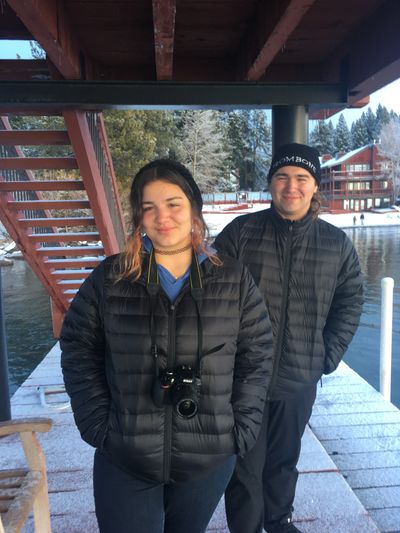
309 274
109 370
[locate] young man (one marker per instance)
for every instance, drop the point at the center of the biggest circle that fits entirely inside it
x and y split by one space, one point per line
309 274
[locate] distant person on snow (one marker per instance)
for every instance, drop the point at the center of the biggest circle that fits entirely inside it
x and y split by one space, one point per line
309 274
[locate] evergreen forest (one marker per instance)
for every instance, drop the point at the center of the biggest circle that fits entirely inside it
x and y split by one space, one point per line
225 151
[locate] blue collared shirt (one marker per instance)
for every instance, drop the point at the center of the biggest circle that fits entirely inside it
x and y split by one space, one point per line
169 283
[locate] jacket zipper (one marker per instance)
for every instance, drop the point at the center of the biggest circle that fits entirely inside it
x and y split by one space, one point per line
282 318
170 364
168 408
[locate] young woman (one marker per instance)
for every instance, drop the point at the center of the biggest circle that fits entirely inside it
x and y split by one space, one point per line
167 356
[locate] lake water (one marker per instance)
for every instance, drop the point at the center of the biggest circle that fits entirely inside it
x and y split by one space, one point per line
29 331
379 252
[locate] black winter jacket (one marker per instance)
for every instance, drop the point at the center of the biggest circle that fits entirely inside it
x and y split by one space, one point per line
109 369
309 274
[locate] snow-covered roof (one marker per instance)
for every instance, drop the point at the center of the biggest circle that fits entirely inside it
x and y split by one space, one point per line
339 160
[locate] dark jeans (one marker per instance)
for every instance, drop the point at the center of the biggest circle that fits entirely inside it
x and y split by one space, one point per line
125 504
263 485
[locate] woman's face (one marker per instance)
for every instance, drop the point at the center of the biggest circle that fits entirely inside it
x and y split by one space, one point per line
167 215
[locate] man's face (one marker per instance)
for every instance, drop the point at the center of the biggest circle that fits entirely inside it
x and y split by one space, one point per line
292 189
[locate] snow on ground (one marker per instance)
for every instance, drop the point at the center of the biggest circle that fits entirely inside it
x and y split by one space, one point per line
216 218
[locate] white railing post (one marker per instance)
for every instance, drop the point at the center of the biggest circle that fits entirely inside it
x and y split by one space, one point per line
387 285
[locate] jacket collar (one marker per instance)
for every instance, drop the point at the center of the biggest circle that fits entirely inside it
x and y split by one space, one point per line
206 267
283 224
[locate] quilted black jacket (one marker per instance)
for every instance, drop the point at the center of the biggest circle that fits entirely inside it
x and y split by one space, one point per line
109 370
309 274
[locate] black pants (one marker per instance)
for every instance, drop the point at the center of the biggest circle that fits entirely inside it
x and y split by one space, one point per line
263 485
125 504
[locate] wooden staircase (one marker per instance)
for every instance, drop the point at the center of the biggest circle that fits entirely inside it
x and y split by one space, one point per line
64 226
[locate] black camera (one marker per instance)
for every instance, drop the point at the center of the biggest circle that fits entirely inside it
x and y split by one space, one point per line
185 393
181 388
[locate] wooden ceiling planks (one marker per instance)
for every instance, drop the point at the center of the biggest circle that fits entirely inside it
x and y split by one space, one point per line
274 41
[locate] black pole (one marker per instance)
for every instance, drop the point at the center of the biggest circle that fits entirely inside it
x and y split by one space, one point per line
289 125
5 406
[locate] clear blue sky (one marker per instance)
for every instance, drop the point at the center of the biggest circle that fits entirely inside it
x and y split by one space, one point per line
389 96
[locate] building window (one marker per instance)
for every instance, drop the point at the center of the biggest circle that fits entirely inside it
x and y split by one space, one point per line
384 184
377 202
346 205
360 167
369 203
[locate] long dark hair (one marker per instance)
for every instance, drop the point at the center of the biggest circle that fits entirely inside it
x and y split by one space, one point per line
171 171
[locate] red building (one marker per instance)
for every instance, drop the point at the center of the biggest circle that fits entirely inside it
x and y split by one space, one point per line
356 181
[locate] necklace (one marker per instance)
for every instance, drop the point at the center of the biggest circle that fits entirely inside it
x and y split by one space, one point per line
173 252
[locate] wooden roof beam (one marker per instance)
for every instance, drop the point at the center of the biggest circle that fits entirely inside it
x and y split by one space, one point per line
365 73
164 34
48 23
278 28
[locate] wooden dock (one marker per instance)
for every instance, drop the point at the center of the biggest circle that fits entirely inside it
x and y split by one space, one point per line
349 467
360 430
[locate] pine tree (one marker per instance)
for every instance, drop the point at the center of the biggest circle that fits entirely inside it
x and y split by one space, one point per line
235 132
359 133
249 141
258 146
131 144
322 138
162 125
371 125
382 116
342 136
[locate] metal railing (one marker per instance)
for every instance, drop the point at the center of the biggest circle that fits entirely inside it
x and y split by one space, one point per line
106 176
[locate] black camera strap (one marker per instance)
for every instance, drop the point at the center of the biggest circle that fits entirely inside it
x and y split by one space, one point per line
153 286
196 287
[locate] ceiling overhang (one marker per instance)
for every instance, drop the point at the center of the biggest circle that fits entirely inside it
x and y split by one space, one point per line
280 52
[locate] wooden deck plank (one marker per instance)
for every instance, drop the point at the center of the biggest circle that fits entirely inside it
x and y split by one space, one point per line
362 438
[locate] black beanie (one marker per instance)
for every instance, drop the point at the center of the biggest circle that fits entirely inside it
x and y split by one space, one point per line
296 155
170 165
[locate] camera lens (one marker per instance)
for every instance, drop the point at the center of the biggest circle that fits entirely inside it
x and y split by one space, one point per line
186 408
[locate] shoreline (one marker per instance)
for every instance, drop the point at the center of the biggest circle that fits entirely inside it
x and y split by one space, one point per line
217 219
